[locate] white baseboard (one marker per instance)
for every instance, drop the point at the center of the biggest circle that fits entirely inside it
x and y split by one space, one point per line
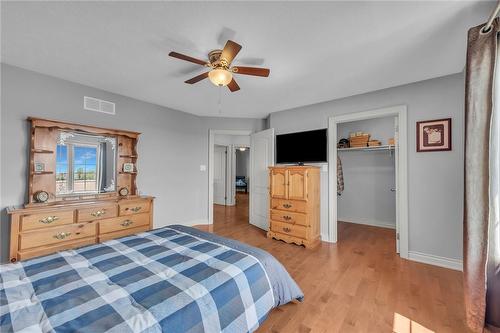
436 260
194 222
374 223
325 238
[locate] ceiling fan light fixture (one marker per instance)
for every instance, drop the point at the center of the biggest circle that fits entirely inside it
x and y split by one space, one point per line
220 77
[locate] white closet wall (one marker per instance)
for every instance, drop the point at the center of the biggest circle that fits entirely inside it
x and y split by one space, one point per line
368 177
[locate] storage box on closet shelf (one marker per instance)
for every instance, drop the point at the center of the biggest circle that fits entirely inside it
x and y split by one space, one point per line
358 139
374 143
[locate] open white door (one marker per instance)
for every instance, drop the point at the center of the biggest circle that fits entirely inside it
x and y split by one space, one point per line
220 156
261 157
396 169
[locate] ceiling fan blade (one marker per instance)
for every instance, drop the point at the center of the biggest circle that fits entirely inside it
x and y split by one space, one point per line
197 78
187 58
251 71
230 51
233 86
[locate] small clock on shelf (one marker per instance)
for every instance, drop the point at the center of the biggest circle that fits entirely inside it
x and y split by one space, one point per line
123 192
41 196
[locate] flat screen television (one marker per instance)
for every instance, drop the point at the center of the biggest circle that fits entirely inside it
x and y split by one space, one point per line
302 147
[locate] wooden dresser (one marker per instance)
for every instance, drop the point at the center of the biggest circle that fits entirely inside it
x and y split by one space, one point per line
295 202
37 231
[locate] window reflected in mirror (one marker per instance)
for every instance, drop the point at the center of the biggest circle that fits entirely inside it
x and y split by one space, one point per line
85 164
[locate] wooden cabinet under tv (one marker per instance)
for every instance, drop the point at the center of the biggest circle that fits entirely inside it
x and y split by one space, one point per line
295 203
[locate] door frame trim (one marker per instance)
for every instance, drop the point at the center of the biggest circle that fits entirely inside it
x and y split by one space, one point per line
227 181
211 145
402 196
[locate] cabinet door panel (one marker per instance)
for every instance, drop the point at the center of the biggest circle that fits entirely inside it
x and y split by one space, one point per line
278 183
297 184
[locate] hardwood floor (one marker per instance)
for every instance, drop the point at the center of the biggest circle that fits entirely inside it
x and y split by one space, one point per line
356 285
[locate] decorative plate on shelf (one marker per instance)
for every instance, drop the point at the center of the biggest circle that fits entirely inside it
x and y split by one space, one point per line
128 167
39 167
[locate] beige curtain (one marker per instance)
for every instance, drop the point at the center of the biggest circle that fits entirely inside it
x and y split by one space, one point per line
481 225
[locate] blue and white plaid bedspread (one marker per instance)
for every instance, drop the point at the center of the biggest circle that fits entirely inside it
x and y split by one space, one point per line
166 280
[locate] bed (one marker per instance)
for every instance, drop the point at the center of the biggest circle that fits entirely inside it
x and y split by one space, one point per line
175 279
241 183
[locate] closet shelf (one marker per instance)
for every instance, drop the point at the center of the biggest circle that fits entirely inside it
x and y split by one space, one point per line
373 148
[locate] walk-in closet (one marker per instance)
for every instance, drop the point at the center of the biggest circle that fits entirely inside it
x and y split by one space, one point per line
366 173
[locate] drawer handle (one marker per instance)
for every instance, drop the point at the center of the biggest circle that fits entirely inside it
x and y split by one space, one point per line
287 205
62 235
98 213
286 229
126 223
49 219
135 209
287 218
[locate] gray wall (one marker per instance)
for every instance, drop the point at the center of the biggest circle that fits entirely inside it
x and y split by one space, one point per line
368 177
243 163
171 149
435 179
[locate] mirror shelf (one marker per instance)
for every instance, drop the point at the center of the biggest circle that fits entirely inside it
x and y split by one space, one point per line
71 162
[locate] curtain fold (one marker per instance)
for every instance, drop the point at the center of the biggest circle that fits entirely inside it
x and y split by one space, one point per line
481 262
101 176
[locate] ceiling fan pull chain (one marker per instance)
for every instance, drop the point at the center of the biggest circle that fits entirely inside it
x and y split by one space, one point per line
220 99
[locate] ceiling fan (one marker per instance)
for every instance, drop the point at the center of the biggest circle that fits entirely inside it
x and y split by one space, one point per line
221 72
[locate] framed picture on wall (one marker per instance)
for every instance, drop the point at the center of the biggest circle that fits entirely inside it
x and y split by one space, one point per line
434 135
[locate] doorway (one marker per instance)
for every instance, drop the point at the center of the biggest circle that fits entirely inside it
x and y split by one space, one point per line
220 174
366 194
253 206
229 177
400 170
242 175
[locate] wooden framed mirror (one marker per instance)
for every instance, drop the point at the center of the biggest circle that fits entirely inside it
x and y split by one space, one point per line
74 162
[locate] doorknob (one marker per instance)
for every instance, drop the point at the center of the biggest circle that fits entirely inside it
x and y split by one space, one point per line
393 189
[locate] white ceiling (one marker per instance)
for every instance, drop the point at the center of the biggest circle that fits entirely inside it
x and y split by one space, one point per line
317 51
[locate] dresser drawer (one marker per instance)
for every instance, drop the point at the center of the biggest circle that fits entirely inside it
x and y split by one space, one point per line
289 217
122 233
289 229
96 213
48 249
55 218
135 207
123 222
289 205
56 235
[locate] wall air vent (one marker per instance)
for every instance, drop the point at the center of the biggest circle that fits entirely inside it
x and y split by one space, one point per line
98 105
